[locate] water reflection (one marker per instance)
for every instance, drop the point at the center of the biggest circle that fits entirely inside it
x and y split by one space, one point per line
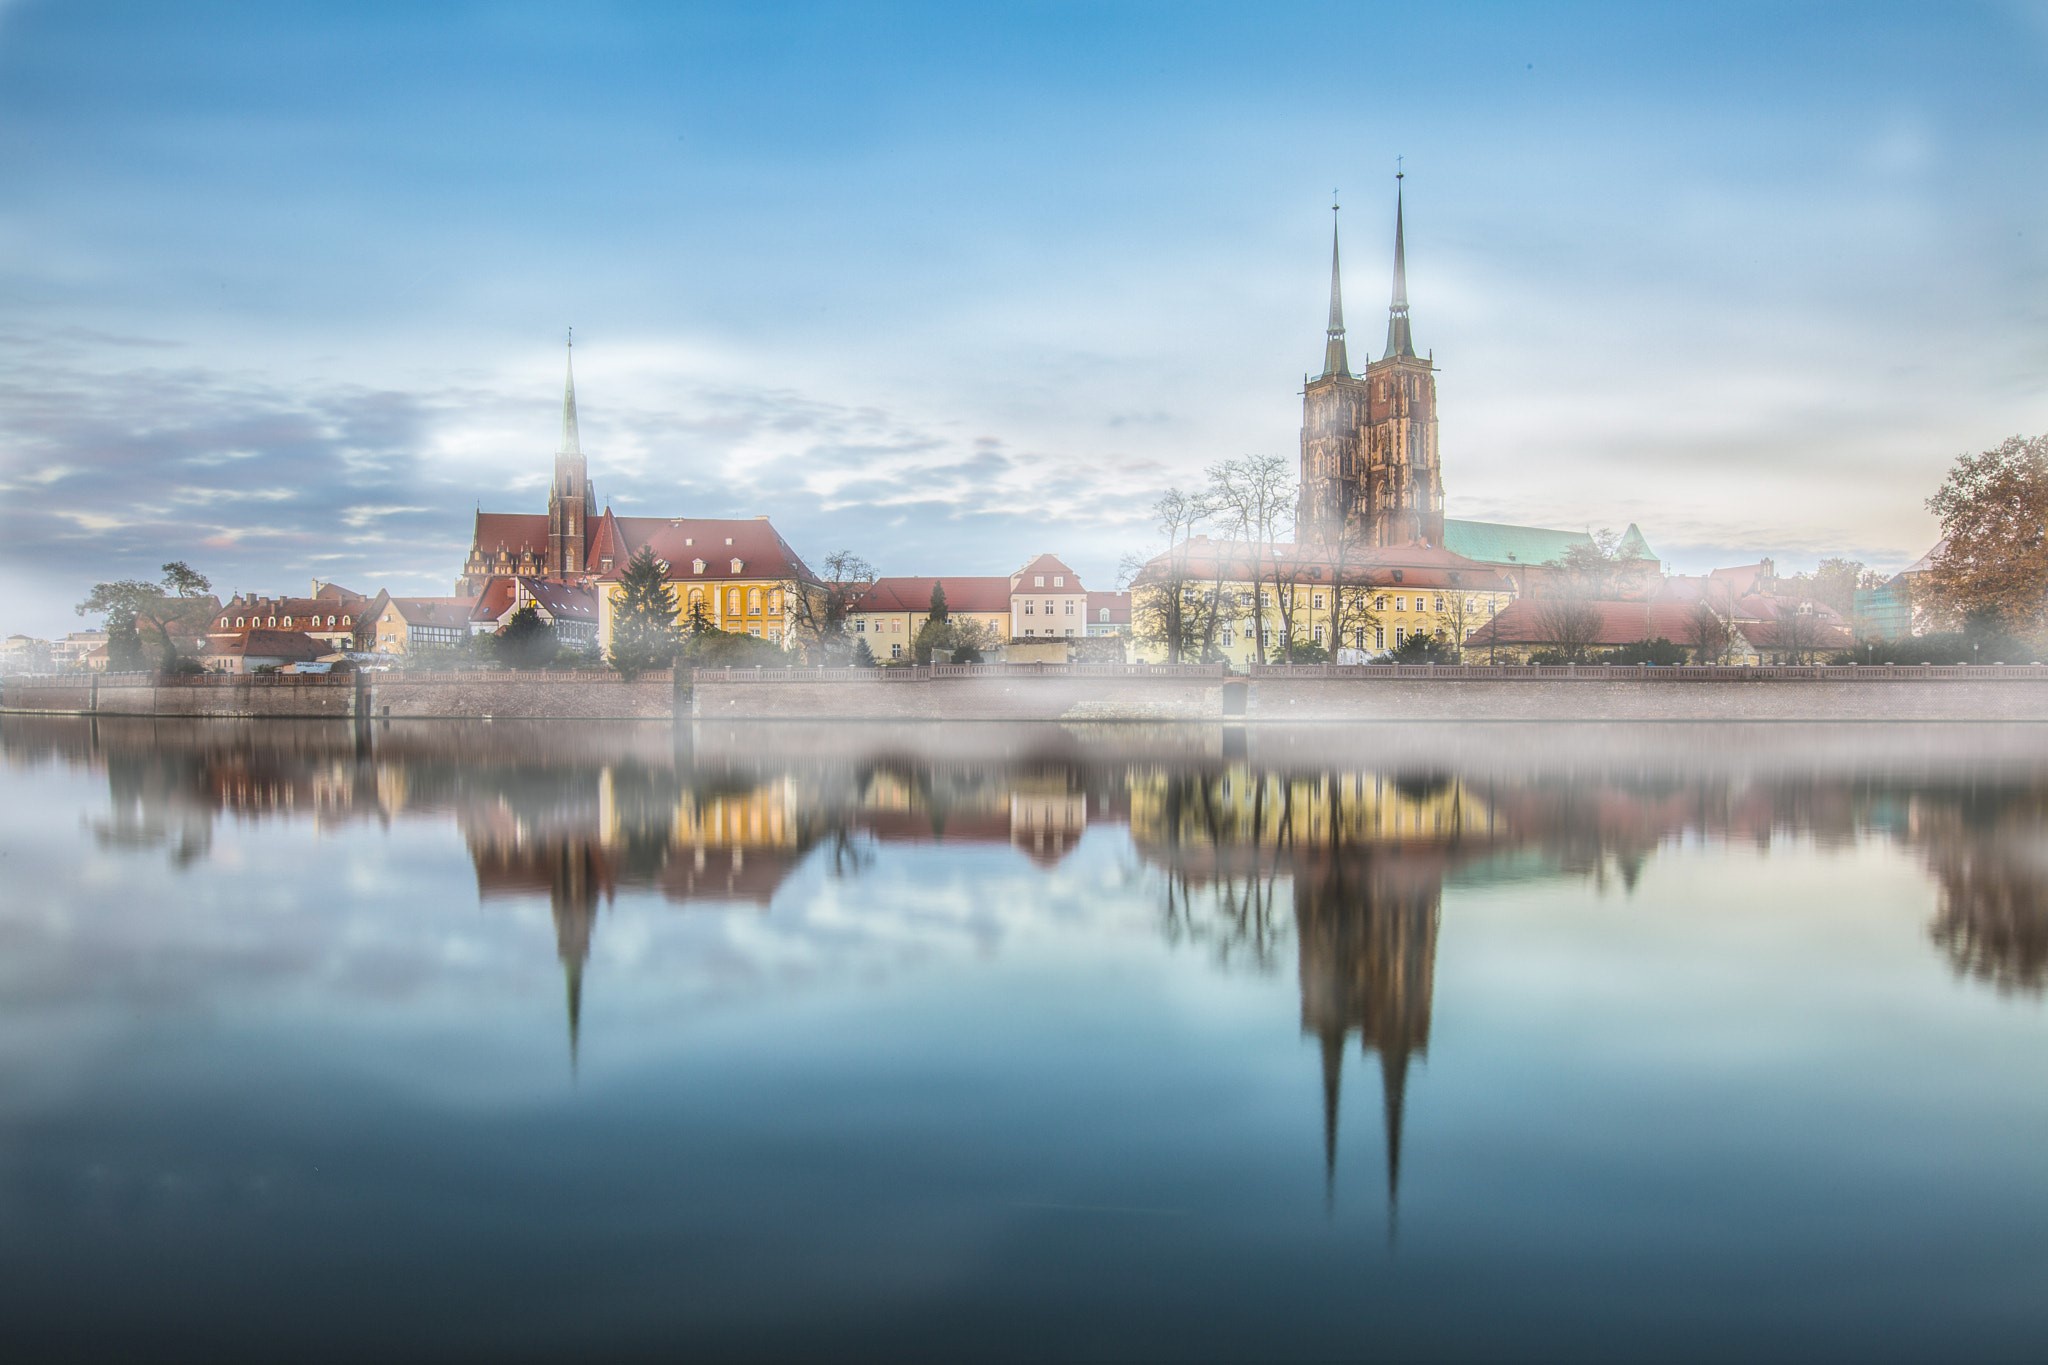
1341 847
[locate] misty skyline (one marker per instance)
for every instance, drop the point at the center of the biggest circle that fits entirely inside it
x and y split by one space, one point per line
285 290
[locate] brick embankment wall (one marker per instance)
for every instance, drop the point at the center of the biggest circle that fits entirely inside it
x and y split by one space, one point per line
1335 699
580 696
980 698
141 694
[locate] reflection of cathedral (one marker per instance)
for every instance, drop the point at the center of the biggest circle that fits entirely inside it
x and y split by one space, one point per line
1366 932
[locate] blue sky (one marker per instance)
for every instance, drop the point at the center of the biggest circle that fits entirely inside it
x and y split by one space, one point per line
282 288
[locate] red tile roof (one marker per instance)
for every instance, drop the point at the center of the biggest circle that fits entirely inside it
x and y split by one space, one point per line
511 532
1792 631
681 541
915 594
290 646
1119 604
434 611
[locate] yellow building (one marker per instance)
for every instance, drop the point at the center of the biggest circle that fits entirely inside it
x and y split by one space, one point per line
891 611
740 573
1370 600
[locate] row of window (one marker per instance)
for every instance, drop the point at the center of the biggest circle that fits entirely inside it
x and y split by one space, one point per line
1048 608
753 598
1379 603
256 622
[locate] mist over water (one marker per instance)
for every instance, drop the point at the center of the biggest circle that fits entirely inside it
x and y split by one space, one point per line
449 1039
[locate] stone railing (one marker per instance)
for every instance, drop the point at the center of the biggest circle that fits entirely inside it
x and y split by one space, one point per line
1671 673
930 672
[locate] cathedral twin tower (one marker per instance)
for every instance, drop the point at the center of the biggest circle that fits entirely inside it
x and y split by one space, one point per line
1369 470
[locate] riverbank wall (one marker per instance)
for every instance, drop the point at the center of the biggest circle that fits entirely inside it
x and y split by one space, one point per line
1306 694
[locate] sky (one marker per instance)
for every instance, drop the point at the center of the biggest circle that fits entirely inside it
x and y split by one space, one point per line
283 289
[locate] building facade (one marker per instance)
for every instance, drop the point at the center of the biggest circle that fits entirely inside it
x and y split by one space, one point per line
890 612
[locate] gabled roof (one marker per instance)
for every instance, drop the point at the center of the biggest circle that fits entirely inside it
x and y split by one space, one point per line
1048 565
563 601
1493 542
984 594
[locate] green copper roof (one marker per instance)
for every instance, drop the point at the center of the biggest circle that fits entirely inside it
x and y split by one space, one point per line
1490 542
1633 546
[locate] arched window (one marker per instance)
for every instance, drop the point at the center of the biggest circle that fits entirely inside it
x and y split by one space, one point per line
344 620
696 597
330 620
732 602
273 621
223 622
238 622
287 623
753 601
1102 615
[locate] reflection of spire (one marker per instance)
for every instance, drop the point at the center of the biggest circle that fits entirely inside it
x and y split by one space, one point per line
1366 924
572 972
1393 1095
1333 1085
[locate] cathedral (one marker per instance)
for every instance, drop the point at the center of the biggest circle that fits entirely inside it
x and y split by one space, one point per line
1369 470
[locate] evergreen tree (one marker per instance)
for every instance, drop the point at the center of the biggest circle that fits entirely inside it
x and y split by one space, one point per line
644 622
863 657
938 610
525 641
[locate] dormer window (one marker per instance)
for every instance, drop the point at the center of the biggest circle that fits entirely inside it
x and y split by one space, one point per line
1059 580
688 541
1038 580
728 540
737 562
287 623
696 566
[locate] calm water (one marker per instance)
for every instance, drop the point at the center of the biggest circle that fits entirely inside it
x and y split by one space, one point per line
451 1040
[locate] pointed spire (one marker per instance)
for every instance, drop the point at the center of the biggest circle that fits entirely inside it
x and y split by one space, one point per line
1400 342
1335 361
571 444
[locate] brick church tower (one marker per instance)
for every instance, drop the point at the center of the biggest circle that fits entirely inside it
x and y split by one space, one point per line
572 502
1369 468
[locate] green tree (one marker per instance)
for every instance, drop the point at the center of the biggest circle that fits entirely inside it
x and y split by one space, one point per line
1994 524
133 607
863 657
644 622
938 608
1425 649
526 641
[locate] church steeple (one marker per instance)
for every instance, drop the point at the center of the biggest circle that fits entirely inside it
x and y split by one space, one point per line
1335 361
571 442
1400 342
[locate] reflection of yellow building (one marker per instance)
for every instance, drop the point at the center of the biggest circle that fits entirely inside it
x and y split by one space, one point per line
1240 806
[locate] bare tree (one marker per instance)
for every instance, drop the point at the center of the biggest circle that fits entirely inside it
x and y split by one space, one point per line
1170 606
1569 624
1711 632
1253 499
819 606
